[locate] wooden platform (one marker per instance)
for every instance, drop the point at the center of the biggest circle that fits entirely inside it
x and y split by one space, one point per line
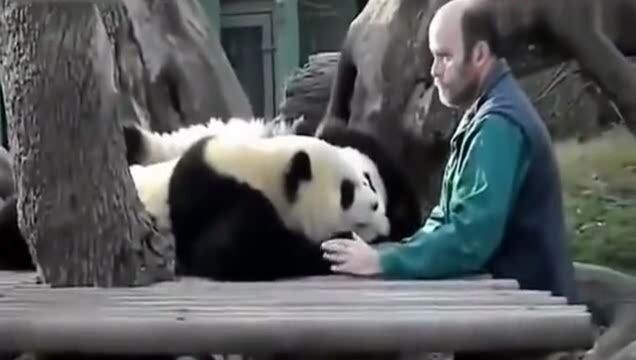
313 315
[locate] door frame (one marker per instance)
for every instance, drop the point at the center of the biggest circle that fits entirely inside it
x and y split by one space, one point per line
264 21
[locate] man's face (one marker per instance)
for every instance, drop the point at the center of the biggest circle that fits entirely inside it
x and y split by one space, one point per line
455 75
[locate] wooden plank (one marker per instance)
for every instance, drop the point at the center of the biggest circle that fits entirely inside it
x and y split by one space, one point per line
234 294
422 301
94 332
296 308
316 283
322 314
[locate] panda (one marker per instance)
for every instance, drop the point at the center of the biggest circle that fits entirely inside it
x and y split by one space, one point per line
397 194
258 209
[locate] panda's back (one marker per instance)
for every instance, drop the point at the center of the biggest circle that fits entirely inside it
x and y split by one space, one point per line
215 175
259 164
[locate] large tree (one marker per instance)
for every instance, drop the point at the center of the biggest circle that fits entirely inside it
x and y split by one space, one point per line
77 204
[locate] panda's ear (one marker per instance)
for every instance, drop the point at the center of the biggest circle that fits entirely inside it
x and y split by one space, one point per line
299 171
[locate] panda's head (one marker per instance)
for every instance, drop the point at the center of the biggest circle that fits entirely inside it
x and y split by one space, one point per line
385 174
368 169
328 194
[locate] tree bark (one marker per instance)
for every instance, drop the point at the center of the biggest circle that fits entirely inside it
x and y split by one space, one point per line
113 14
171 61
77 204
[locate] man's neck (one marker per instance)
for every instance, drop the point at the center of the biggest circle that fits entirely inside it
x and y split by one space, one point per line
483 78
485 75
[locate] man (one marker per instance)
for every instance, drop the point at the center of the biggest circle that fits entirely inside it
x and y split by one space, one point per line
500 208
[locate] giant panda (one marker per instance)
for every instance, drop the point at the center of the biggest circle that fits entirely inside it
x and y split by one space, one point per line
258 209
385 175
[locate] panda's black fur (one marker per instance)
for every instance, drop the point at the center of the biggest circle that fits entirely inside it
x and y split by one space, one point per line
14 252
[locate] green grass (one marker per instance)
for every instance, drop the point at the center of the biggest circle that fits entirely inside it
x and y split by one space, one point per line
599 179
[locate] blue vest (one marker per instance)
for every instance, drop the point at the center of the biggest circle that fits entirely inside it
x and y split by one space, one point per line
534 249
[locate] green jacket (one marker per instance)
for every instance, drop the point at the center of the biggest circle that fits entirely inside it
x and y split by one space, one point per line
487 162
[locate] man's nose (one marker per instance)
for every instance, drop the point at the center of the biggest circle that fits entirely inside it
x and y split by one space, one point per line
436 69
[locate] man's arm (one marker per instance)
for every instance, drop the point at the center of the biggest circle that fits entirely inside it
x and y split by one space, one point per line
478 210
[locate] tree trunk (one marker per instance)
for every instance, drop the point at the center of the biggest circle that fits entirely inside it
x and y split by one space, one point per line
77 204
113 14
171 61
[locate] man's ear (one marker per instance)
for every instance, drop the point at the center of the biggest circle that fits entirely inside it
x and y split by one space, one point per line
481 50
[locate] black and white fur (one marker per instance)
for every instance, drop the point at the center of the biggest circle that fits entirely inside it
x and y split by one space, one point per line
145 147
257 209
398 196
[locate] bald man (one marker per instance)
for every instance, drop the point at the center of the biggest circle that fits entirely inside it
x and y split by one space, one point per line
500 208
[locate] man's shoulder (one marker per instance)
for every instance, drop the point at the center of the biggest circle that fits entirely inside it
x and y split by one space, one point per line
501 98
499 123
507 101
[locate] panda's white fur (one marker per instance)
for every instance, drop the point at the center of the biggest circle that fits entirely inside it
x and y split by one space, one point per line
152 184
156 147
221 179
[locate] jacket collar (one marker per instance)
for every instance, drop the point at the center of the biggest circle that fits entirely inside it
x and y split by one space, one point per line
496 73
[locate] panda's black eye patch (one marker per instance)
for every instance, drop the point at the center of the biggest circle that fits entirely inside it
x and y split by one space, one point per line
368 177
346 193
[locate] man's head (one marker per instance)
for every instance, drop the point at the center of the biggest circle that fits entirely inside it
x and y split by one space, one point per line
462 39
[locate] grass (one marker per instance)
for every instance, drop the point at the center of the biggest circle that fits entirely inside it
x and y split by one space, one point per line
599 179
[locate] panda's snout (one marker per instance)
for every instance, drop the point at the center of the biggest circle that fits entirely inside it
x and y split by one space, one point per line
374 206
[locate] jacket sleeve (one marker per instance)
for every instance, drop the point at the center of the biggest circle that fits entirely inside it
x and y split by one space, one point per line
460 243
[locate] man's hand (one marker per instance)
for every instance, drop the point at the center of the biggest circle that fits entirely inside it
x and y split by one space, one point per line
352 256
